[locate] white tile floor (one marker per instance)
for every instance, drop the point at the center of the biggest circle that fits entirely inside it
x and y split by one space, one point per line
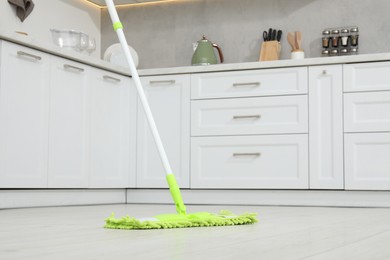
282 233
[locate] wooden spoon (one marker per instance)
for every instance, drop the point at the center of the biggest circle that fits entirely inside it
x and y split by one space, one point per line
291 41
298 40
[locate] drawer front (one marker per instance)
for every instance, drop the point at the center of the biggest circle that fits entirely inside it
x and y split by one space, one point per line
249 83
367 76
367 112
253 162
367 164
264 115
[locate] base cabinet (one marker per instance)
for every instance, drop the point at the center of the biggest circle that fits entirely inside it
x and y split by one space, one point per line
326 127
64 124
68 131
24 112
169 99
367 126
112 136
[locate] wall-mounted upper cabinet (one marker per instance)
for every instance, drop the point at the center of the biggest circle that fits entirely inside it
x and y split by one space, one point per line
102 3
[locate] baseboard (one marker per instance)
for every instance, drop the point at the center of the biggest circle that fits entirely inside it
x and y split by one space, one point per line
60 197
332 198
74 197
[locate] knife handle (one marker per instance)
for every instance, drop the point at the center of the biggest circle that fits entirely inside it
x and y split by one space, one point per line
273 38
279 35
270 34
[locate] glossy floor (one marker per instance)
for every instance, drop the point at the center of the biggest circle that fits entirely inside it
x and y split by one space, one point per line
282 233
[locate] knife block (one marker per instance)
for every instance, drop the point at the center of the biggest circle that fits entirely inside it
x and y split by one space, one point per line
270 51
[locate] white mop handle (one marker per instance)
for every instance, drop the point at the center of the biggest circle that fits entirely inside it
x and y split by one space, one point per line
122 39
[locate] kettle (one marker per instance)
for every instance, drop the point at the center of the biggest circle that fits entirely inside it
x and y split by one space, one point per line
204 53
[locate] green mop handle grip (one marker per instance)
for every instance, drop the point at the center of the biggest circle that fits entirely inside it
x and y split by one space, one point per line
176 194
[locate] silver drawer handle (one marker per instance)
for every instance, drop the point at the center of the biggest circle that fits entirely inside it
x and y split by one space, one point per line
22 53
106 77
254 84
247 117
67 66
246 154
162 81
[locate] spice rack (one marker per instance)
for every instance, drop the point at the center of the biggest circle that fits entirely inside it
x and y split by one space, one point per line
340 41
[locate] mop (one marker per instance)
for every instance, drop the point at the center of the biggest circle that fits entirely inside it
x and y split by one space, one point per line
181 219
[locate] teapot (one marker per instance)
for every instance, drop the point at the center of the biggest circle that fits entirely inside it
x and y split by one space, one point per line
204 53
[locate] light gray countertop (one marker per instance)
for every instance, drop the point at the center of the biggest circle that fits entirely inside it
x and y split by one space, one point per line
51 48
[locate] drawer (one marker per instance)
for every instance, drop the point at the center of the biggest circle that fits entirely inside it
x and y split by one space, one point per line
367 164
249 83
367 112
250 162
367 76
241 116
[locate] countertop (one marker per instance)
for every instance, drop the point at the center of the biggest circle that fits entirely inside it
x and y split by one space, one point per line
72 55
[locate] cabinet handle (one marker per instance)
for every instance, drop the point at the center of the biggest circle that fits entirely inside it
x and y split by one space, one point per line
247 117
246 154
106 77
255 84
35 57
324 72
67 66
162 81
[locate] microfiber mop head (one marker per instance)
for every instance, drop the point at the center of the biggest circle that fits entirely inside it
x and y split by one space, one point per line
200 219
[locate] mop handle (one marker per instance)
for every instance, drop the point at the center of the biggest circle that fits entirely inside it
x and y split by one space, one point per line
173 186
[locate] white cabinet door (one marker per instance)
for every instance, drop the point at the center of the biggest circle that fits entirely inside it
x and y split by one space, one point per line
68 125
112 154
24 107
326 127
169 98
367 164
250 162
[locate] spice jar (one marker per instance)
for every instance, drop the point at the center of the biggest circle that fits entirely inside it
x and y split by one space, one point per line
325 53
344 37
354 36
353 51
335 38
344 51
334 52
325 39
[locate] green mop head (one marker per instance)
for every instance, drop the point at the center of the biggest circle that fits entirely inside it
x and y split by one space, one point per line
200 219
181 219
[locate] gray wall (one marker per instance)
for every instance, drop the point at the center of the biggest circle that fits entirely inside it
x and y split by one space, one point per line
162 34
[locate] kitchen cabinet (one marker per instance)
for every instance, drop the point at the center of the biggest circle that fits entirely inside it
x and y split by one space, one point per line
169 98
113 130
24 112
69 129
249 130
326 127
64 124
367 126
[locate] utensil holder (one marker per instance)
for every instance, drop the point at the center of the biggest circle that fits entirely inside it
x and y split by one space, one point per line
297 54
270 50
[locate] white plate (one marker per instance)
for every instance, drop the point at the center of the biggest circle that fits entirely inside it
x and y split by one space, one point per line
115 55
